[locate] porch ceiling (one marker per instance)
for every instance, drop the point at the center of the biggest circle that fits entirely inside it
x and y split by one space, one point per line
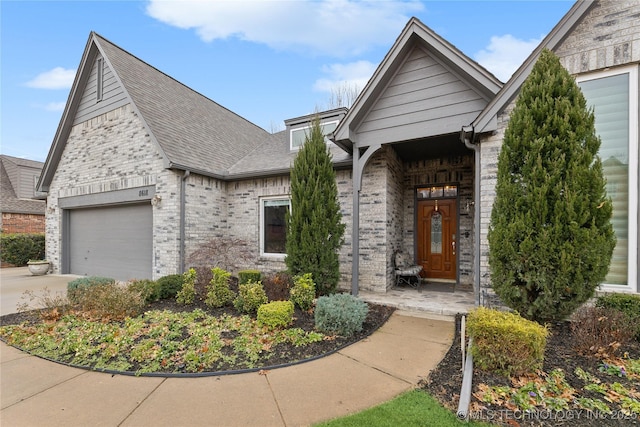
429 148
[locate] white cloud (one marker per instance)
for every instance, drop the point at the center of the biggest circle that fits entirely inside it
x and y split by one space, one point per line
55 106
58 78
351 75
505 54
332 27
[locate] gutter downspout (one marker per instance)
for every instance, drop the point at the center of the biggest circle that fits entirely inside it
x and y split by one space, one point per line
467 136
183 202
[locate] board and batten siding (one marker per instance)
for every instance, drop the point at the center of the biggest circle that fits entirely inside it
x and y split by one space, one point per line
423 99
113 95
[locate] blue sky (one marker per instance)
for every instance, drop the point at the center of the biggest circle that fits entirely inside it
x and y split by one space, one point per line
267 61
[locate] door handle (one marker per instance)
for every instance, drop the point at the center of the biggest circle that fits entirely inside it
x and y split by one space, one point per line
453 244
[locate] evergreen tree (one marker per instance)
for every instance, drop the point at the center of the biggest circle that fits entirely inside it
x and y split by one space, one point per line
315 230
551 237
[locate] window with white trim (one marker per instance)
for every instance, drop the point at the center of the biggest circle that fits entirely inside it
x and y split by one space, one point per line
613 94
299 135
273 225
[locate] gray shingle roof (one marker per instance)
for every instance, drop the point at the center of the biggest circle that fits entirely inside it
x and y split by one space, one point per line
9 202
273 157
194 132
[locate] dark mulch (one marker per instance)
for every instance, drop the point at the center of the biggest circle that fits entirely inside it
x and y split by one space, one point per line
445 381
281 355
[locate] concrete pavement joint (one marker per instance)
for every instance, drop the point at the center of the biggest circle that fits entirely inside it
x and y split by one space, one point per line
275 399
375 368
141 402
43 390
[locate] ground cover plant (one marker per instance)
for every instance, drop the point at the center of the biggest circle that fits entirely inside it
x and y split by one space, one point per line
168 336
590 386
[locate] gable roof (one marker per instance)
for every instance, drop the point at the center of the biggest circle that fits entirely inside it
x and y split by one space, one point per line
486 121
191 131
415 35
9 201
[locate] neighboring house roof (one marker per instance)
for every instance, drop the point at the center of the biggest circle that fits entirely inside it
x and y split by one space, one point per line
9 201
486 121
191 131
415 34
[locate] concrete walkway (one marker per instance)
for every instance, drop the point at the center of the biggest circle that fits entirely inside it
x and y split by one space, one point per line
35 392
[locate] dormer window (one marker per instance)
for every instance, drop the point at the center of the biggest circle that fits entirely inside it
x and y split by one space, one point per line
299 135
300 127
99 79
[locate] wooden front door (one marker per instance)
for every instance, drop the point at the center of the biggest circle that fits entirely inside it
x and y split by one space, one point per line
437 225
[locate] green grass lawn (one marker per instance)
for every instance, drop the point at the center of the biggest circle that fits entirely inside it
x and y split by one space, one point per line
413 408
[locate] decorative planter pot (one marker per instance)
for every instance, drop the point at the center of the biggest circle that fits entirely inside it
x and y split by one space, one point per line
38 268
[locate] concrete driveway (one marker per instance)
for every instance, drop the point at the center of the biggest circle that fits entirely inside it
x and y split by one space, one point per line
15 281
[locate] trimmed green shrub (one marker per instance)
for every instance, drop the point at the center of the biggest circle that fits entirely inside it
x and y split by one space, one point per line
629 304
170 285
78 286
218 292
303 291
187 294
550 237
148 289
245 276
314 224
505 342
341 314
18 249
250 297
276 314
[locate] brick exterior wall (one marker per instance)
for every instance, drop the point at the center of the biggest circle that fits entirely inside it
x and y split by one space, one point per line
243 218
608 36
111 152
22 223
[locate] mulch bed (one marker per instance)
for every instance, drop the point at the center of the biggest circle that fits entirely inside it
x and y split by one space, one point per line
283 354
445 381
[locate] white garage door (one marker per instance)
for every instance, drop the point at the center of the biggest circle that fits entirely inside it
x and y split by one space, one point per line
114 241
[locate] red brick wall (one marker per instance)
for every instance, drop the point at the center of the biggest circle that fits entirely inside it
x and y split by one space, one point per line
22 223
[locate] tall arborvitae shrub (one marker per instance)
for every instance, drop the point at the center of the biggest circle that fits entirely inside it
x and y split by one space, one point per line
550 237
315 228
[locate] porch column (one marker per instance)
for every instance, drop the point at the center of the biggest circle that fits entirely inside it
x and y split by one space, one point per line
359 162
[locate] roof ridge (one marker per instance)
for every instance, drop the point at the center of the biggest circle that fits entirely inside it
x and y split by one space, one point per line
98 36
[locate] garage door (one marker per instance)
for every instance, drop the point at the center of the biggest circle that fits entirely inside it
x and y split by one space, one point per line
113 241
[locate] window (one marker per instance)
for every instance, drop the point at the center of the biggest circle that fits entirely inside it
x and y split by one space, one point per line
299 135
437 192
273 226
99 79
614 96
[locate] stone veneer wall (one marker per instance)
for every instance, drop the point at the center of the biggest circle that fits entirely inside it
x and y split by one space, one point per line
608 36
113 151
457 170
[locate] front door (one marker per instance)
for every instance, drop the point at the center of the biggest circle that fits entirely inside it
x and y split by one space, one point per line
437 238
